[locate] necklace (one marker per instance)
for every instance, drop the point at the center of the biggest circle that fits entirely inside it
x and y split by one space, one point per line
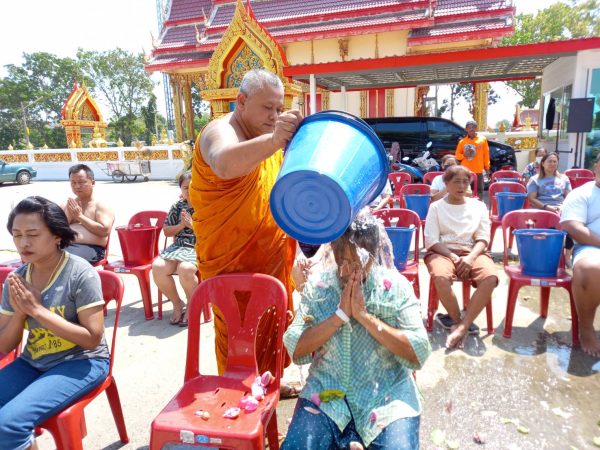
53 274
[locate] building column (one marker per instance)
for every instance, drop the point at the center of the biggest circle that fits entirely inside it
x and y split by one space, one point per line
189 110
313 94
480 104
344 99
176 93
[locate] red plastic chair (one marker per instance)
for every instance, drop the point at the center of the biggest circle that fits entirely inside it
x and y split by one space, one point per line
104 261
206 312
429 176
434 302
216 394
398 179
68 427
7 358
415 188
515 220
576 173
405 218
501 186
580 180
142 272
498 174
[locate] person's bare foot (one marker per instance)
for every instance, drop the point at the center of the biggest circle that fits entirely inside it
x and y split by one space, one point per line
590 344
177 313
457 336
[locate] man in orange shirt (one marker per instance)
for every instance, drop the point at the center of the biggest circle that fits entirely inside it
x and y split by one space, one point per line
236 161
473 152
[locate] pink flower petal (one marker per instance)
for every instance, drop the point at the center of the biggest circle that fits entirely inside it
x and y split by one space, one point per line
257 389
315 399
373 417
321 285
387 284
266 378
232 413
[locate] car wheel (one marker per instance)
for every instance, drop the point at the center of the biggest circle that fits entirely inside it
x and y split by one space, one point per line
23 177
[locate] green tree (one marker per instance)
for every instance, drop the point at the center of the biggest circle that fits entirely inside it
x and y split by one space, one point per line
149 114
559 21
119 78
463 91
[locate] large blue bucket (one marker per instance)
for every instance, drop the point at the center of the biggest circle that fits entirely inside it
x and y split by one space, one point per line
539 250
418 203
400 238
509 201
334 165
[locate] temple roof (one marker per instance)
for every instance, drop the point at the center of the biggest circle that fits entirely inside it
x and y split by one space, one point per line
194 27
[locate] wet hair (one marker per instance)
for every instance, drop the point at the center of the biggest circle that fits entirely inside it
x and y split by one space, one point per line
542 171
78 168
539 149
454 171
446 158
52 215
471 122
257 79
363 232
184 177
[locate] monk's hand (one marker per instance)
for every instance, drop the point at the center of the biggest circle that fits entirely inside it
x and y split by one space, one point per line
23 296
186 219
285 127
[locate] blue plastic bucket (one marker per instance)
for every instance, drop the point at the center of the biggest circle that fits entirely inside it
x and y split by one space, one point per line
334 165
509 201
539 250
509 180
400 238
418 203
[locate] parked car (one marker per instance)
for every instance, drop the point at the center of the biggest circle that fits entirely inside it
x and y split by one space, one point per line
16 172
413 134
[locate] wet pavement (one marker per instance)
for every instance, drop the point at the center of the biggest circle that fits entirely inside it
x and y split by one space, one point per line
532 391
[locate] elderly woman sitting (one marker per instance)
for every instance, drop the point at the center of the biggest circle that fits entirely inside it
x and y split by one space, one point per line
457 233
357 312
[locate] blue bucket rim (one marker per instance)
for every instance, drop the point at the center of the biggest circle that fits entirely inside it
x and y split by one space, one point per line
401 228
361 125
539 230
510 194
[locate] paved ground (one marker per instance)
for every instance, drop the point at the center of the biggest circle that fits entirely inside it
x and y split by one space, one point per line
535 380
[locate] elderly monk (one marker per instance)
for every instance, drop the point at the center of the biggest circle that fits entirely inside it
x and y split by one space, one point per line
236 161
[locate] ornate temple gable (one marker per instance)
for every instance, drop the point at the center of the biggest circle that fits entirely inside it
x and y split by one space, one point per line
80 111
245 45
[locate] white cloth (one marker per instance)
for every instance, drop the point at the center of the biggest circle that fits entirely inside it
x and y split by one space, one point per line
457 226
583 205
387 190
437 184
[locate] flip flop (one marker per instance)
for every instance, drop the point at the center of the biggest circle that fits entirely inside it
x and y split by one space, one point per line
183 322
181 315
289 390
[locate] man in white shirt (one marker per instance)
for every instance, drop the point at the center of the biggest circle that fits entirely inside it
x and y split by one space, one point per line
580 217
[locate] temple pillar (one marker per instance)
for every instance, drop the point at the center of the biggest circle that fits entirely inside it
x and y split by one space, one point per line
176 93
389 103
189 110
420 103
480 104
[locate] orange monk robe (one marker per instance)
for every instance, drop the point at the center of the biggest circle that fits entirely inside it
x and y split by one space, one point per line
235 232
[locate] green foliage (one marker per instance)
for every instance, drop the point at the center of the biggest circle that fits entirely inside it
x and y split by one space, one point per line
37 90
465 92
559 21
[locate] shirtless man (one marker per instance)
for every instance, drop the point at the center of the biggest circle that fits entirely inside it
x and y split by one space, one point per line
91 219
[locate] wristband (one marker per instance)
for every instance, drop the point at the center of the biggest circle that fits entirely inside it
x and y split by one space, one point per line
544 207
342 315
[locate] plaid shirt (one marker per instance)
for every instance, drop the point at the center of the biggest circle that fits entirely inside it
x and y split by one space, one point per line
373 379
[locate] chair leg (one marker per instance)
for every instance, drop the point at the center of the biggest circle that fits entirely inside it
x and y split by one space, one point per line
511 302
66 432
159 305
493 229
144 281
490 318
432 305
272 433
544 300
574 321
207 312
417 287
114 401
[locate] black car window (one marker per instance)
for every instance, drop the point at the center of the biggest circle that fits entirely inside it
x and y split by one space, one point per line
441 131
409 134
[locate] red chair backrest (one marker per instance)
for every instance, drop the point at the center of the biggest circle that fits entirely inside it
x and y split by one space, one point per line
415 188
399 179
506 174
146 218
580 181
429 176
242 298
503 186
405 218
576 173
112 289
4 271
523 218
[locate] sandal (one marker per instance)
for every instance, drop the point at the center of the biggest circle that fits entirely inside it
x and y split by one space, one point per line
172 321
289 390
183 322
